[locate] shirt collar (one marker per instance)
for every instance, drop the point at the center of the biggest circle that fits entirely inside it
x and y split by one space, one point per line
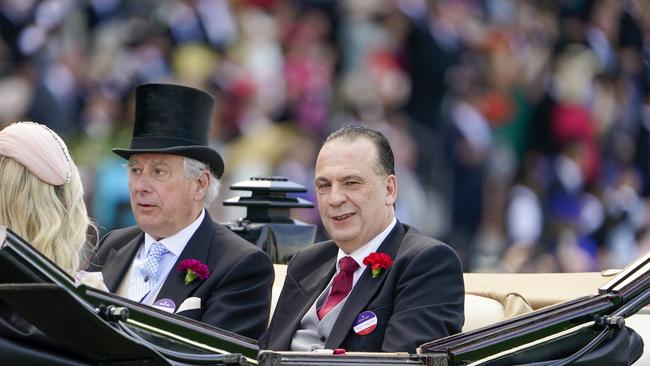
372 246
176 243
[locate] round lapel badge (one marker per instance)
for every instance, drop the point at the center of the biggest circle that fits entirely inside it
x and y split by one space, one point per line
365 323
166 305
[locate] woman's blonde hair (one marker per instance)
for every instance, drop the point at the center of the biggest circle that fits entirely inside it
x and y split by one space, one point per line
51 218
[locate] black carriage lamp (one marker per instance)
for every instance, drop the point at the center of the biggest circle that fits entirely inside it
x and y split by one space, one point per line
269 201
268 223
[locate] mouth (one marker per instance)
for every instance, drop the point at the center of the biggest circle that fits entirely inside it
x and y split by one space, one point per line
145 206
342 217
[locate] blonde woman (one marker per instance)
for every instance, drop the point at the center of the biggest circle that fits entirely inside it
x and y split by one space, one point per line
41 196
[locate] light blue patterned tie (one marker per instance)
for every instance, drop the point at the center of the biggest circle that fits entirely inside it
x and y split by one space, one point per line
147 273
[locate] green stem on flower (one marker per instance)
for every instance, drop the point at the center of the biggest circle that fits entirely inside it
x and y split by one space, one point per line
376 272
189 276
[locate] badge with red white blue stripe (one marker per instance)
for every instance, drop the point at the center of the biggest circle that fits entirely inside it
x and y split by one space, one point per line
365 323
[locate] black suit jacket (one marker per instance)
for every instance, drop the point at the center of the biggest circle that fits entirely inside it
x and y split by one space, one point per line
418 299
235 297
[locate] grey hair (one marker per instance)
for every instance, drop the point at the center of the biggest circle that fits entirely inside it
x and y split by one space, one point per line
194 168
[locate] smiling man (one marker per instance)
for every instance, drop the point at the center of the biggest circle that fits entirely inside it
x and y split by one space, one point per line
378 285
177 259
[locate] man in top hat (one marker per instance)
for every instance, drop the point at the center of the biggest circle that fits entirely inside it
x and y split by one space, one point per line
177 259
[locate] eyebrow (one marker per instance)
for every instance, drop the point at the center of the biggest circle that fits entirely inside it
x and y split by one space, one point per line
343 178
159 162
351 176
154 162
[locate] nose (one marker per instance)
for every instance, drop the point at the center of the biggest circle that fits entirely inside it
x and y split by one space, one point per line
140 183
337 195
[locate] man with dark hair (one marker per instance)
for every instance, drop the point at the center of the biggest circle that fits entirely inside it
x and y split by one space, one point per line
378 285
177 259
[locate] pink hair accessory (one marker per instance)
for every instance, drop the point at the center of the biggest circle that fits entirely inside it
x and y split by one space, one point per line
38 149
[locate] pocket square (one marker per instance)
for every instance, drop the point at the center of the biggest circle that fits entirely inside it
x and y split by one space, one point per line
190 303
90 279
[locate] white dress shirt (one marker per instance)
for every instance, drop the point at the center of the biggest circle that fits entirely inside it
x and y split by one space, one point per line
175 245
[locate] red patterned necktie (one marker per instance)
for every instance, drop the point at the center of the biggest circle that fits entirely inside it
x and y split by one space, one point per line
341 285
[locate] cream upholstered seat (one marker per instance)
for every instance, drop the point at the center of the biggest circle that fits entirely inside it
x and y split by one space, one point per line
481 311
280 272
520 293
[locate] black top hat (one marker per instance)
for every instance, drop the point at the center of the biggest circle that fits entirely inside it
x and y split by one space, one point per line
173 119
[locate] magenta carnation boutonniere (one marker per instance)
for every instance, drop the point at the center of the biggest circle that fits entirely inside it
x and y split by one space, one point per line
193 269
378 262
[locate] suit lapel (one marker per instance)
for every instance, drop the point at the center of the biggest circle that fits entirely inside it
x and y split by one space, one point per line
296 303
313 284
118 263
197 247
364 290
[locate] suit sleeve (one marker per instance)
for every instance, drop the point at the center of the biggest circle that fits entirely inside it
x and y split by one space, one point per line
241 302
429 300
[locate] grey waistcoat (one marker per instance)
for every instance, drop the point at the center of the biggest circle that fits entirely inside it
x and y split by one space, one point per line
312 333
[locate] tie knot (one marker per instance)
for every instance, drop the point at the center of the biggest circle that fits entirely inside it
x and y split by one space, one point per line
150 266
348 264
157 250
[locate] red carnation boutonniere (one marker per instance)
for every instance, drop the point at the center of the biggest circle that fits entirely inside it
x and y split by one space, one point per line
378 262
193 269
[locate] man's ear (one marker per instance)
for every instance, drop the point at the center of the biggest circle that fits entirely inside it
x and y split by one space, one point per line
391 189
202 183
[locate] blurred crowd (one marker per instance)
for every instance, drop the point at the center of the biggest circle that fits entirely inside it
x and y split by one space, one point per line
521 128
